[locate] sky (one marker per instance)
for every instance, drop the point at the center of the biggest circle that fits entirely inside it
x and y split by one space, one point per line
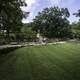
35 6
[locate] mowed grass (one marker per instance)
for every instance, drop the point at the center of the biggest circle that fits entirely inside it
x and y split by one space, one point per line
50 62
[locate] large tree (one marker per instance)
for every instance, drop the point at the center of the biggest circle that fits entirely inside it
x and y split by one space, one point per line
11 15
52 22
76 26
76 29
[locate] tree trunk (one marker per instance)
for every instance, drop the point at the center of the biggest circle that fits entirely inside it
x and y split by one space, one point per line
8 35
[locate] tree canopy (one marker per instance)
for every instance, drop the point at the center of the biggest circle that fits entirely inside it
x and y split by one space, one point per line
77 14
52 22
11 15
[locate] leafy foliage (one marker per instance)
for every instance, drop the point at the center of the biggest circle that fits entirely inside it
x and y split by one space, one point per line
77 14
52 22
76 30
11 15
28 33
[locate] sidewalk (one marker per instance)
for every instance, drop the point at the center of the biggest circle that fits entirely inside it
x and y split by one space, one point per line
29 44
9 46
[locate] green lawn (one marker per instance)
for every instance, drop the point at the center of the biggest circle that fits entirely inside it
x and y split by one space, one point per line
51 62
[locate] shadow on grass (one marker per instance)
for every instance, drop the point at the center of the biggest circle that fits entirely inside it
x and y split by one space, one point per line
7 50
6 53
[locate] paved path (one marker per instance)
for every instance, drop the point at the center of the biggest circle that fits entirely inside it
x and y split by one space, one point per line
29 44
9 46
